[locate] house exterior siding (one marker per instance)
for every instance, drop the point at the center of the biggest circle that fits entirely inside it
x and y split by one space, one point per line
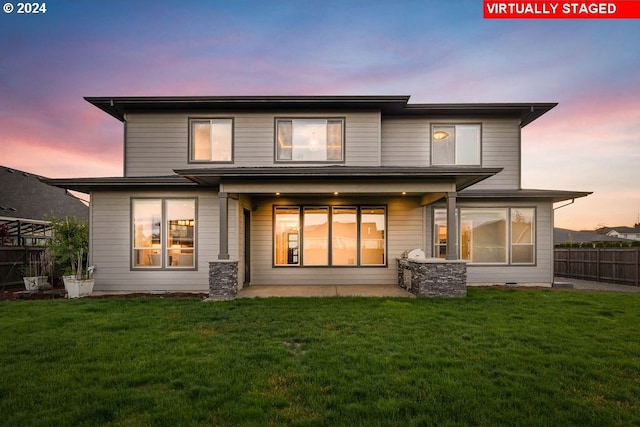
156 144
387 161
540 273
407 141
111 244
405 231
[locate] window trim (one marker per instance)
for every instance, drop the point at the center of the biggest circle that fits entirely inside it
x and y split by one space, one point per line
454 124
190 146
342 119
534 232
509 262
164 250
301 208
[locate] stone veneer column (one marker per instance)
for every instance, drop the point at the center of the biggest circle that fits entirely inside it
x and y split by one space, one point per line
223 280
433 277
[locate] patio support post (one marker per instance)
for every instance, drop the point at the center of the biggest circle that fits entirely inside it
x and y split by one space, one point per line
452 240
224 225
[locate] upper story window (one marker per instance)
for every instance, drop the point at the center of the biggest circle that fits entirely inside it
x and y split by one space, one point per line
211 140
309 140
455 144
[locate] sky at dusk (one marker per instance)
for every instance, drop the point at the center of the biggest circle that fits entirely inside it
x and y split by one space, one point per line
435 51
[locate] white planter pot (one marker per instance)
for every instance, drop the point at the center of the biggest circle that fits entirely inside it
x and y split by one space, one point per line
35 283
78 288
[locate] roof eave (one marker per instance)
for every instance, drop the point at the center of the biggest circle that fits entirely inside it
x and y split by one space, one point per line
526 112
119 106
525 194
463 177
87 185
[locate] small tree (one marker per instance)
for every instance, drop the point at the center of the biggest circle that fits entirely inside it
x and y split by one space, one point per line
70 237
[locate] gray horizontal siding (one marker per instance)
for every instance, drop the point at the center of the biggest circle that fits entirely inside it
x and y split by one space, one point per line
501 149
406 142
405 231
156 144
111 244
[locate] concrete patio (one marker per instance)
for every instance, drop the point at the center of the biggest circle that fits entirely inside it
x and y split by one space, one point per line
265 291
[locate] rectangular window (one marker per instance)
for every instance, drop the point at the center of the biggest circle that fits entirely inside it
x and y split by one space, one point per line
211 140
522 236
309 140
344 250
357 236
316 236
180 217
484 235
154 218
455 144
440 233
483 239
287 235
372 236
147 224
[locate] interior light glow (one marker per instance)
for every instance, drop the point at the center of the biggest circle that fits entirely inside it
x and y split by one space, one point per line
440 134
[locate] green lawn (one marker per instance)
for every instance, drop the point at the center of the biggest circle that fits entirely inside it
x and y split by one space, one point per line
497 357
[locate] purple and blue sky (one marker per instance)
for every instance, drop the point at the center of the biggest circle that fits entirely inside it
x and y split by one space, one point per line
435 51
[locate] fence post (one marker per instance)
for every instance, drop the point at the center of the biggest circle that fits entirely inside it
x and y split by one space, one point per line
637 266
598 265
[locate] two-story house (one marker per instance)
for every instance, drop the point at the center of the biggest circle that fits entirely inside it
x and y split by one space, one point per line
315 190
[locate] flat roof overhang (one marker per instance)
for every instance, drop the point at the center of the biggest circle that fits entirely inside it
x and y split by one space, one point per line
119 106
298 180
342 179
525 112
87 185
388 105
554 196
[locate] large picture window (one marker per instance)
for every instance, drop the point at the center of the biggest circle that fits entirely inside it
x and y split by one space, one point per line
372 236
344 239
331 236
455 144
490 235
211 140
309 140
163 233
286 227
483 235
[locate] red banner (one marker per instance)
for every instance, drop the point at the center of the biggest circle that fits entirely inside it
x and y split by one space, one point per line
562 9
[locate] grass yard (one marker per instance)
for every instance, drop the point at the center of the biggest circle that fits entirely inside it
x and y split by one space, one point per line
497 357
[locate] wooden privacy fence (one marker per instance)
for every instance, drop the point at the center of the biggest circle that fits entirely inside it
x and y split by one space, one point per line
615 265
12 259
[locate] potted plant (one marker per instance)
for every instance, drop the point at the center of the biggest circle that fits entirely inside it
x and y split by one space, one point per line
80 283
36 272
69 245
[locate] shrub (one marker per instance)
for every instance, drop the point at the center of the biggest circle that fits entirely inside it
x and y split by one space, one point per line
70 237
